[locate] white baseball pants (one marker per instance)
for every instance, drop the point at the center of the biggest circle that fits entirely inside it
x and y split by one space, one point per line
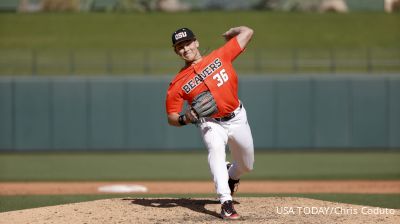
236 134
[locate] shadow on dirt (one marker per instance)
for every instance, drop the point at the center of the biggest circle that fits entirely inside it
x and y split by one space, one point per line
197 205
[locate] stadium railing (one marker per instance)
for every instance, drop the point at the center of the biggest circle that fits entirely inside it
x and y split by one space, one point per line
155 61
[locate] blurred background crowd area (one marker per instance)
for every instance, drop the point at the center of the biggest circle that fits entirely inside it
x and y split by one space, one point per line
189 5
132 37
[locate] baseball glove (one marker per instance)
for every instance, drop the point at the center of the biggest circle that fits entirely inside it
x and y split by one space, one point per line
204 105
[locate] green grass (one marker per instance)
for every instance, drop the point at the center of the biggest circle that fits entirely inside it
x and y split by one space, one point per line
138 43
11 203
193 166
153 30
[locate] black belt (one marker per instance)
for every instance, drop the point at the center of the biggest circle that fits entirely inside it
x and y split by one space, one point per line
227 118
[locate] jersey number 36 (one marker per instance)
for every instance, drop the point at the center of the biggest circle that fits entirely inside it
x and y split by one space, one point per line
221 77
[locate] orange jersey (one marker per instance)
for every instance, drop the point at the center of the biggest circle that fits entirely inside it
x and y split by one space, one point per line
214 73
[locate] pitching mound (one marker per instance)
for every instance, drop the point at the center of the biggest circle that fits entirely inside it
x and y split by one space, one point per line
206 210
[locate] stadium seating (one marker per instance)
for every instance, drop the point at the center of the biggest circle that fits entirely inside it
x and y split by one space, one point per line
9 5
104 5
365 5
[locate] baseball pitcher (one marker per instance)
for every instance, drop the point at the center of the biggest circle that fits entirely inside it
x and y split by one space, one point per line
210 86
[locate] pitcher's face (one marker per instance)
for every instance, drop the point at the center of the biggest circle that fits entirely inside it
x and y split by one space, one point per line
188 50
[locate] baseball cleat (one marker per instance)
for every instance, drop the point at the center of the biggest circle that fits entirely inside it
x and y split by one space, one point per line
228 211
233 184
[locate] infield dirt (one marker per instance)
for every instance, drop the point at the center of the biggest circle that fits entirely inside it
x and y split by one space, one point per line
202 210
204 187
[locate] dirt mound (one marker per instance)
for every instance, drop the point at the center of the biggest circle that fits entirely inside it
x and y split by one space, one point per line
202 210
206 187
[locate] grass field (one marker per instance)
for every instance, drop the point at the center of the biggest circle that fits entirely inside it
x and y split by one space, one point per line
193 166
136 43
153 30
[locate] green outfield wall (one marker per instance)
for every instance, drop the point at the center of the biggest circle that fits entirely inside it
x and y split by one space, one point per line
128 113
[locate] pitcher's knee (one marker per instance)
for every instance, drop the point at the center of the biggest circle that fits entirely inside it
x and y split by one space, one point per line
247 168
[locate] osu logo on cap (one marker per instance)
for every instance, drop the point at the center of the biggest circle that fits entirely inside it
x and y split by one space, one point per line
180 35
